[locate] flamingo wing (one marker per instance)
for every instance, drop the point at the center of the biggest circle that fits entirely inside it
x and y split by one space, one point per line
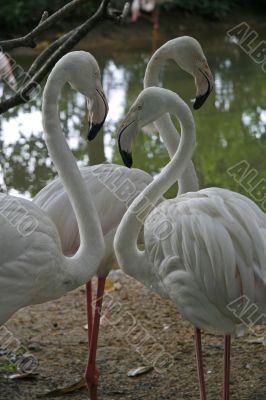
214 253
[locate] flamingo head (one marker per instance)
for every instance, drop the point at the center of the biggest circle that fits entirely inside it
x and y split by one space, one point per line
150 105
188 54
84 76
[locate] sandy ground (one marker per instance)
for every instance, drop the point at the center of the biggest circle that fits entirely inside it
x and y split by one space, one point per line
139 329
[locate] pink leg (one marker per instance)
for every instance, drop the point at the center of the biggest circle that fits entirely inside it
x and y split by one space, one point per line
227 348
155 19
89 311
198 348
91 373
135 15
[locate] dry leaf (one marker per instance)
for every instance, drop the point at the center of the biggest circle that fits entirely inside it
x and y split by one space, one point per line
65 390
139 371
109 285
260 340
21 375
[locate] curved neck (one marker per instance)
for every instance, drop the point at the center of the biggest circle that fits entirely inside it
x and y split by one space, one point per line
189 180
129 228
91 238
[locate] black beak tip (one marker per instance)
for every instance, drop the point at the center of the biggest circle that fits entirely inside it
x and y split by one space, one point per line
200 100
93 131
127 158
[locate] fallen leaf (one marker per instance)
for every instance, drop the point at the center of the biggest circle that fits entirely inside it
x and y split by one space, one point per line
219 346
260 340
22 375
75 387
139 371
109 285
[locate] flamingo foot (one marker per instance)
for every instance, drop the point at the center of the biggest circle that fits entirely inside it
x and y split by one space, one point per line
92 380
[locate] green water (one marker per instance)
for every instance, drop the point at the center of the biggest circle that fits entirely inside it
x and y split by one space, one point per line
230 126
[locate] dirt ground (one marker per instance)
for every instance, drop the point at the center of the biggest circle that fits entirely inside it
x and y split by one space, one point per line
139 329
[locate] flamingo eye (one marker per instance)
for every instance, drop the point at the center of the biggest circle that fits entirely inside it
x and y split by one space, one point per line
139 107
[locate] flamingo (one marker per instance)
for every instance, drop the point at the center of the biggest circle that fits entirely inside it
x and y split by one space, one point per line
187 53
6 70
148 7
204 250
110 205
33 267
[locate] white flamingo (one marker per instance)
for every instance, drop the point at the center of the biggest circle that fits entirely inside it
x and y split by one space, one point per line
106 181
204 250
187 53
33 267
149 7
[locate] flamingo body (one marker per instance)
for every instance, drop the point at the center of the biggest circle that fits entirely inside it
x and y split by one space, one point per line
215 253
33 267
205 250
29 259
106 183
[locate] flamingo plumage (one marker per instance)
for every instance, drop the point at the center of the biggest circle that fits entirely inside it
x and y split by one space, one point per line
33 266
110 206
204 250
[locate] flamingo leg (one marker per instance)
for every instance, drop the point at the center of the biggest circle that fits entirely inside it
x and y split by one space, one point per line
91 373
89 311
227 348
198 348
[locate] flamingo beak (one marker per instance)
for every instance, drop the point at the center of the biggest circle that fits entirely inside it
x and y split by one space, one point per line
200 99
126 136
98 109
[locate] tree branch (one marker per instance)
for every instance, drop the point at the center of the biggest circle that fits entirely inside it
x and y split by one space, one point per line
48 58
43 25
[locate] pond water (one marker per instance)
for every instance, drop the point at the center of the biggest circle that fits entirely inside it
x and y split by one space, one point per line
230 126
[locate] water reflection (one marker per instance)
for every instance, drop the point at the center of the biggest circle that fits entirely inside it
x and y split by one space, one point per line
230 127
114 85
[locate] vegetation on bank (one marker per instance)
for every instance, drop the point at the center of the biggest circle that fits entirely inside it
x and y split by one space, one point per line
18 16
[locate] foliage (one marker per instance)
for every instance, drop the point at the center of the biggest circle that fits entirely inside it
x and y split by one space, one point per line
19 16
209 8
22 15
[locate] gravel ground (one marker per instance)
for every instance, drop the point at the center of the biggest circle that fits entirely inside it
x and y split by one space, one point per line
138 329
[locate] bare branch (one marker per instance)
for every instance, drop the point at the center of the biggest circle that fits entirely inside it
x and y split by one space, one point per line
45 15
43 57
47 59
28 40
